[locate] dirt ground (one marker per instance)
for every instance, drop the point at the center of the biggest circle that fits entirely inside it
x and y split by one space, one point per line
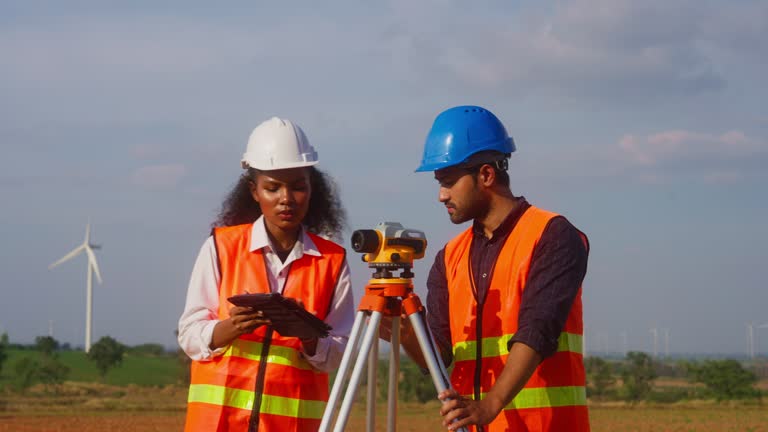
93 408
604 419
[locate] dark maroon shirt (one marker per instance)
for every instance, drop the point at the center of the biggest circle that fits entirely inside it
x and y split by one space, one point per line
558 267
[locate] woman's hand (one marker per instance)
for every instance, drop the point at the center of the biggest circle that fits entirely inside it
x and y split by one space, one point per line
308 345
245 319
242 320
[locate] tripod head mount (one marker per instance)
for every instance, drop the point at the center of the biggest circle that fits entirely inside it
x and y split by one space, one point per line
390 247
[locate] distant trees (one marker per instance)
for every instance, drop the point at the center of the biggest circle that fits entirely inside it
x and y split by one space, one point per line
47 368
3 350
726 379
599 376
637 376
46 344
106 353
148 349
413 384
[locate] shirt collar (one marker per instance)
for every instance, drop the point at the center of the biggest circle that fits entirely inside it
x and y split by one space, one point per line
506 225
260 240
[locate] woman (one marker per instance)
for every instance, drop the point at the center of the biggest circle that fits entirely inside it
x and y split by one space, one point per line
266 239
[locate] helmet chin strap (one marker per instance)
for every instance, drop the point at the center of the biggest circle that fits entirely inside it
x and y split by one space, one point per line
502 164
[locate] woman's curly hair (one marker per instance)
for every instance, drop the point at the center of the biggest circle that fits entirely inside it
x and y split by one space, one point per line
325 217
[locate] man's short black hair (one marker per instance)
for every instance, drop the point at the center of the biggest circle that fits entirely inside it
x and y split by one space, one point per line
493 158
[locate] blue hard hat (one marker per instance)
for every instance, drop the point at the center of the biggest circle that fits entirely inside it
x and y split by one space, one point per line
460 132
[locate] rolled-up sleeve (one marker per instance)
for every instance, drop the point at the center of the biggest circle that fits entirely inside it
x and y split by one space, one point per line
558 267
438 316
200 314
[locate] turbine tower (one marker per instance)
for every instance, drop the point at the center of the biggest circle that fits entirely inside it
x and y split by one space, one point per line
751 340
624 345
761 326
93 267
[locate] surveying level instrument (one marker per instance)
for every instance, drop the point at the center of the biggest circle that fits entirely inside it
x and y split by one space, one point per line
387 249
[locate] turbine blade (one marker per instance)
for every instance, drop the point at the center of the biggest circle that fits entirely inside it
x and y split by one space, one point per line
93 263
763 325
88 232
68 256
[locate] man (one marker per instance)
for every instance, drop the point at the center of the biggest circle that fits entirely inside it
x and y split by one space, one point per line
504 296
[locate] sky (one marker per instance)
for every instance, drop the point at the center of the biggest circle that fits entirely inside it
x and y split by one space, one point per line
644 123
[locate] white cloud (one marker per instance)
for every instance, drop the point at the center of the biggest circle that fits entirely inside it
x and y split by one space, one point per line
159 176
611 49
681 144
729 157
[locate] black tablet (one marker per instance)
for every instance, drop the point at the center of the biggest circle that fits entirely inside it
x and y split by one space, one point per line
288 318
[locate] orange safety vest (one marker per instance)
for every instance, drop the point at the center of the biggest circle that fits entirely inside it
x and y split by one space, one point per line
293 395
554 399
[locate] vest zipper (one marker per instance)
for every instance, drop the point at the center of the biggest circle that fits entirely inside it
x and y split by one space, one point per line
479 355
480 300
253 422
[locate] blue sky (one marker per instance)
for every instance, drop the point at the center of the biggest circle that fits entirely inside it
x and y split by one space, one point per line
644 123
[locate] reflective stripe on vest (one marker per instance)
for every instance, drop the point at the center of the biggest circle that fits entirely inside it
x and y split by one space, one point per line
223 390
554 398
547 397
243 399
496 346
277 354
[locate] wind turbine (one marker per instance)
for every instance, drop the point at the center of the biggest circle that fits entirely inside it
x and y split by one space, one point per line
751 340
624 342
761 326
93 267
655 333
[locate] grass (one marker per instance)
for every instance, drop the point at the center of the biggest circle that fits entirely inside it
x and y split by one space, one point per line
135 369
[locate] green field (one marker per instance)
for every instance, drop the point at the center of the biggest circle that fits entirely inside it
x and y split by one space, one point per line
146 393
138 370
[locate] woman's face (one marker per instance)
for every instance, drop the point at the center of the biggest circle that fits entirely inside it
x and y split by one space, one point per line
283 196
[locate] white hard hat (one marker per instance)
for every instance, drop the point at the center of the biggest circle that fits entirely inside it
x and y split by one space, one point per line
278 144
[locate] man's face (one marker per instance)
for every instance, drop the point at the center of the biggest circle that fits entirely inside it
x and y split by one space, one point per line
460 194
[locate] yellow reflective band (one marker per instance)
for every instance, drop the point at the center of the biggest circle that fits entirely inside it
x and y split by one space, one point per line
546 397
219 395
570 342
277 354
496 346
308 409
243 399
549 397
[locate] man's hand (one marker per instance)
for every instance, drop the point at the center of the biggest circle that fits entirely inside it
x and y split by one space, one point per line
385 328
408 339
458 411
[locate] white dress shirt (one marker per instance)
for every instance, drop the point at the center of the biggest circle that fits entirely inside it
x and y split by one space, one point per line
200 314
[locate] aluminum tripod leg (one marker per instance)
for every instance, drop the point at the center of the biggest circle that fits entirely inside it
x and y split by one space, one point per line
394 375
341 375
433 359
371 334
370 400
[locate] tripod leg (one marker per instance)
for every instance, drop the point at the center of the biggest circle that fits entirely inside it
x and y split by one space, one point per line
371 334
341 374
433 359
394 375
373 360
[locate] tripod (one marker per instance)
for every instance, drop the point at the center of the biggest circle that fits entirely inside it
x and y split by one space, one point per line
385 295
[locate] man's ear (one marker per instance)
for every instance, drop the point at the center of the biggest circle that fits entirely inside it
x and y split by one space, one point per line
487 175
